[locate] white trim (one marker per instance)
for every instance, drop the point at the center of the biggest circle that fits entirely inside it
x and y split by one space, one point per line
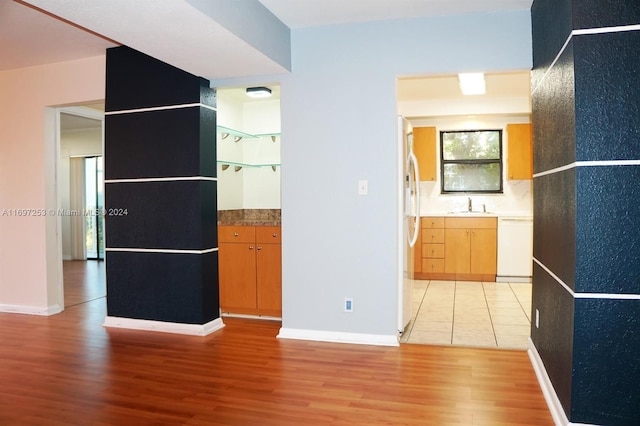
594 163
610 296
604 30
550 395
161 179
555 170
160 108
564 46
31 310
339 337
164 327
153 250
607 163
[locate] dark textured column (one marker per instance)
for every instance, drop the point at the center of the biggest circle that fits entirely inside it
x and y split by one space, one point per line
586 286
160 192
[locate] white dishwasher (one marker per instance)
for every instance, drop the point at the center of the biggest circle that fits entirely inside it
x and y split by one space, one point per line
515 248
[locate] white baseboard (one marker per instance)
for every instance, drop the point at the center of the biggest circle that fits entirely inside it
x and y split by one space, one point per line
339 337
557 412
31 310
512 279
164 327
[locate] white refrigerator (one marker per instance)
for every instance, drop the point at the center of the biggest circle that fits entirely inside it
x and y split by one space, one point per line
409 225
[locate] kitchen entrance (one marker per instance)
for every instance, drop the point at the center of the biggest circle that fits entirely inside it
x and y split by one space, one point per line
470 270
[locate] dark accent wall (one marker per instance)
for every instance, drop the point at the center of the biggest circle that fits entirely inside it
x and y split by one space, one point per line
175 213
586 108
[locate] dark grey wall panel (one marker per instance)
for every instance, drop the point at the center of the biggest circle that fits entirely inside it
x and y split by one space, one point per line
608 230
180 288
607 75
154 144
162 215
154 83
554 338
208 134
606 386
551 26
554 223
605 13
553 116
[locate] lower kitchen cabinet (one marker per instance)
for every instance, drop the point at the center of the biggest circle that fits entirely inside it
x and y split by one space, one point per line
250 270
471 248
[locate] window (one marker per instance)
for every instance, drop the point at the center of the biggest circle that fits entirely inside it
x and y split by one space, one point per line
471 161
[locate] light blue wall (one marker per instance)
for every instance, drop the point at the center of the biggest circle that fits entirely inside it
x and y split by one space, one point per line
339 126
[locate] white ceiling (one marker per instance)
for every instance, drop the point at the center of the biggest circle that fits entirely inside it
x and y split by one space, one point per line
30 37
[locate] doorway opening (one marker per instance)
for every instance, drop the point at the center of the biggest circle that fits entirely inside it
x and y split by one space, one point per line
80 203
494 309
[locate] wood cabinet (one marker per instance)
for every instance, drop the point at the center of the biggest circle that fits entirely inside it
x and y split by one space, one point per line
430 249
250 270
471 248
424 148
519 152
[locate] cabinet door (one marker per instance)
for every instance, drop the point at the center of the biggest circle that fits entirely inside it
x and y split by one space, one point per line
237 271
519 152
457 251
483 251
424 148
269 279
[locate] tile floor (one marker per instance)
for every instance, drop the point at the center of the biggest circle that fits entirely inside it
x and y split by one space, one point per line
466 313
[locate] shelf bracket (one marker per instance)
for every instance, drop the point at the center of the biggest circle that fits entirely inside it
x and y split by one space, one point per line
237 138
224 135
225 167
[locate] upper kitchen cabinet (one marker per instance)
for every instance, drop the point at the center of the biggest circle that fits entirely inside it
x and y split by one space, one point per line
519 152
248 150
424 148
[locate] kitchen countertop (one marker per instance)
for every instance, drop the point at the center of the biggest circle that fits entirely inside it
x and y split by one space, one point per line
249 217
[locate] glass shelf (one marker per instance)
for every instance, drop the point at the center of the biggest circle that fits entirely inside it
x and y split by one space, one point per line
238 166
237 134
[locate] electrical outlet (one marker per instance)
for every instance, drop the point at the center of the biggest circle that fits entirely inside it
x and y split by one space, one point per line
348 304
537 318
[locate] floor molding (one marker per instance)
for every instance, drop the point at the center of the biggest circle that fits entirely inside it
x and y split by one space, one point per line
164 327
557 412
339 337
31 310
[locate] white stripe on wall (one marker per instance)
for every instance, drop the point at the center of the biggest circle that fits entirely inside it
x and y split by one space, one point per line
575 295
162 179
160 108
171 251
603 163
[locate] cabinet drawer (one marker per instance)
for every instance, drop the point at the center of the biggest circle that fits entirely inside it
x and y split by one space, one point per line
432 222
434 251
236 234
268 234
432 265
430 236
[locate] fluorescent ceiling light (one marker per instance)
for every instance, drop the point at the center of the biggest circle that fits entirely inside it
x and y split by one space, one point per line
258 92
472 83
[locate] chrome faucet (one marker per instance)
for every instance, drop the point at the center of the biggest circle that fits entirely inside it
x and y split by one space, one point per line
470 205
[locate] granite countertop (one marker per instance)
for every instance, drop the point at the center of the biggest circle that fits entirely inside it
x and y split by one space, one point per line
249 217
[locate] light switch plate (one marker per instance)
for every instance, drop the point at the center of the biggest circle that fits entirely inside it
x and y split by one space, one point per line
363 187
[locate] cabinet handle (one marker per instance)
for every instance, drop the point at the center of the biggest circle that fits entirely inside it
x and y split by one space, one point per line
467 232
235 234
259 247
250 247
275 234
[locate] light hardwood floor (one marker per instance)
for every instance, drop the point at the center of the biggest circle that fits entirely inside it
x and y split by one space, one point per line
68 370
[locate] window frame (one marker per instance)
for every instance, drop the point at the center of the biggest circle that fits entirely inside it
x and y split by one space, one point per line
499 161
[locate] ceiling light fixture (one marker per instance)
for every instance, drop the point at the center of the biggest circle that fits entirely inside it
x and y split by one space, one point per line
258 92
472 83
